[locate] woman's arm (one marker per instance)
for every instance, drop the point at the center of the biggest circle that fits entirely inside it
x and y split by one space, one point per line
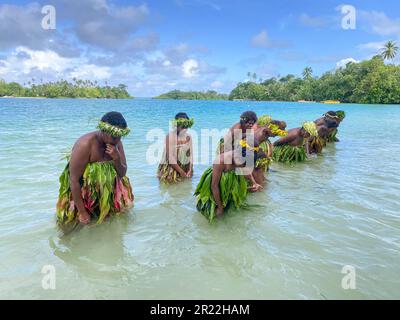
171 154
190 173
77 166
117 153
285 140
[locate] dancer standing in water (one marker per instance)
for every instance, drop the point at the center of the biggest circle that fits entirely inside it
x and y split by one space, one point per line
264 129
237 131
295 146
94 182
177 160
225 184
318 143
329 120
340 117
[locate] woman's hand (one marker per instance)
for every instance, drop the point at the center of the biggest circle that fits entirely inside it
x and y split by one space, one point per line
84 217
190 173
112 151
255 187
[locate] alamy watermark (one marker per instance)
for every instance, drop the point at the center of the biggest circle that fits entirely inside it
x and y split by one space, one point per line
49 21
349 20
349 280
49 277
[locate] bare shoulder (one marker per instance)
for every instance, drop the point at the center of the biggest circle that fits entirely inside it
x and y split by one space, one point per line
236 126
85 142
294 131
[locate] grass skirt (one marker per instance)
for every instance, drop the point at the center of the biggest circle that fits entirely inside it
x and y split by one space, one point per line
264 164
289 154
233 191
317 144
104 194
167 174
332 136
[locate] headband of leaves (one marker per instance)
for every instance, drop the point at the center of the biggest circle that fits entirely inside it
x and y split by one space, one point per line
264 120
341 114
113 130
183 123
276 131
331 116
311 128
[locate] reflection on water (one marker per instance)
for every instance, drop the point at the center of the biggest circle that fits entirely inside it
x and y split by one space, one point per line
312 219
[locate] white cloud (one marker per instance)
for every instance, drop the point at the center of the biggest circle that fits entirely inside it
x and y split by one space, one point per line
372 46
262 40
314 22
217 84
24 63
166 63
342 63
190 68
91 71
23 60
379 23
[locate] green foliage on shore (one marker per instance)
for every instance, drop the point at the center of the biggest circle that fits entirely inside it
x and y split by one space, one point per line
64 89
193 95
370 81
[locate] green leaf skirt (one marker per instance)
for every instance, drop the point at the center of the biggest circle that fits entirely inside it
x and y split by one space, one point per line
289 154
104 194
264 164
167 174
317 145
233 191
332 136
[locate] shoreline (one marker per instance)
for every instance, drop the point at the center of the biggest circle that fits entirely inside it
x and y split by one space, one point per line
7 97
259 101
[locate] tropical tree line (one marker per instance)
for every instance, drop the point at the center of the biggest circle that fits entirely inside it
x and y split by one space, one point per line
193 95
370 81
64 89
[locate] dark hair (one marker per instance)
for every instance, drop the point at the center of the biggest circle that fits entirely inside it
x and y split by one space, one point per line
181 115
331 123
248 116
115 119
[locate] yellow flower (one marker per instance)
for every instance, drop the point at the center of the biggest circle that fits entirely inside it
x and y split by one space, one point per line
311 128
244 144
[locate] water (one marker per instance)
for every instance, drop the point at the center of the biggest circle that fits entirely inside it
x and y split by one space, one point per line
339 209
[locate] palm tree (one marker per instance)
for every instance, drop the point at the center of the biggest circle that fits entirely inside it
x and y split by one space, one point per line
307 72
390 50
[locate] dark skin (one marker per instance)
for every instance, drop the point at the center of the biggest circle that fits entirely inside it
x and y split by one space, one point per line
282 125
327 122
243 126
93 147
171 142
226 162
295 138
322 133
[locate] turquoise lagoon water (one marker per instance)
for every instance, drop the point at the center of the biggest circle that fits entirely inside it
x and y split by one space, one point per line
340 209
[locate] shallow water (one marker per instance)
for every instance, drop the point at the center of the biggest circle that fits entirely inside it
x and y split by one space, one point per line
342 208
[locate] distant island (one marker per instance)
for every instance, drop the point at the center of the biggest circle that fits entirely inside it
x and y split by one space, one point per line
64 89
367 82
193 95
370 81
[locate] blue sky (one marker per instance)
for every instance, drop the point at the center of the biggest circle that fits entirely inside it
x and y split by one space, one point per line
157 46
